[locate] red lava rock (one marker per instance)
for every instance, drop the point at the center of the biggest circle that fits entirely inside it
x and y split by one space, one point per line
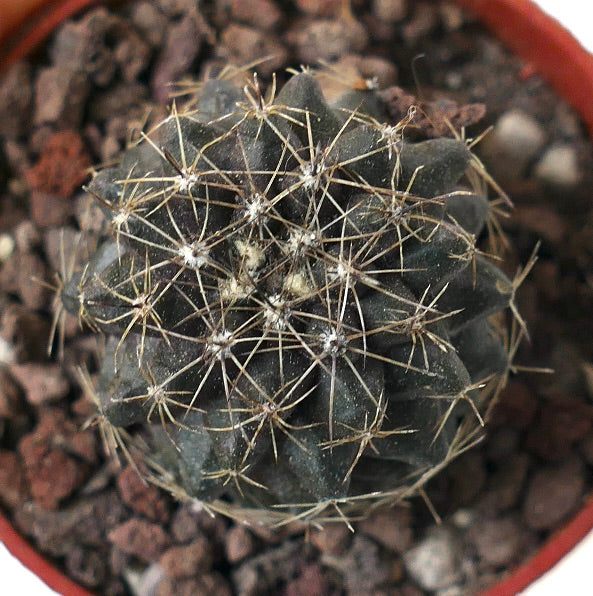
516 406
561 423
208 584
141 497
261 14
327 39
42 383
553 493
56 458
62 166
244 44
390 527
187 560
310 582
498 541
332 539
13 487
143 539
239 543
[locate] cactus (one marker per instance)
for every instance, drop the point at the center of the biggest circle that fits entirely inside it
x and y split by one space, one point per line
299 322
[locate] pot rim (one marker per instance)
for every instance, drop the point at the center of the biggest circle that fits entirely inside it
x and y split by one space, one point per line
530 33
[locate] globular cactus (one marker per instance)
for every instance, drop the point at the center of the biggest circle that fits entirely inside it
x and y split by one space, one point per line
298 319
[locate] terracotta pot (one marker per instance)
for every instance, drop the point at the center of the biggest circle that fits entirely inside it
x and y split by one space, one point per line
535 37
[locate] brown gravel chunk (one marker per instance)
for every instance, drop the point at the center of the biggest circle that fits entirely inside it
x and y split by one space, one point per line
143 539
208 584
239 543
181 47
333 539
42 383
187 560
327 39
310 581
390 527
21 329
553 493
60 94
13 487
562 422
244 44
141 497
15 100
260 14
498 541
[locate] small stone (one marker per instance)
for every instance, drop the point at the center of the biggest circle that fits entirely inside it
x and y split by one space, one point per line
86 566
260 14
7 245
141 538
553 493
181 47
310 581
31 277
262 573
424 20
175 8
561 423
516 406
559 167
49 210
363 566
21 329
332 539
320 8
60 95
505 484
207 584
245 44
132 54
13 487
42 383
150 21
433 562
188 560
513 143
391 11
239 543
15 100
142 497
392 528
327 39
27 237
185 524
498 541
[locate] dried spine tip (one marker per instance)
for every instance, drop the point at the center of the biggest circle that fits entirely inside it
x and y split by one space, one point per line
293 288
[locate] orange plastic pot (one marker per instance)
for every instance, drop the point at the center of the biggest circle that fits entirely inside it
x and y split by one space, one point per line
544 45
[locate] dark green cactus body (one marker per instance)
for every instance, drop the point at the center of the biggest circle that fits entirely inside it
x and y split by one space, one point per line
297 308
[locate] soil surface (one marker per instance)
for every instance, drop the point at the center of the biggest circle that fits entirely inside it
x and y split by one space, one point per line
74 104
